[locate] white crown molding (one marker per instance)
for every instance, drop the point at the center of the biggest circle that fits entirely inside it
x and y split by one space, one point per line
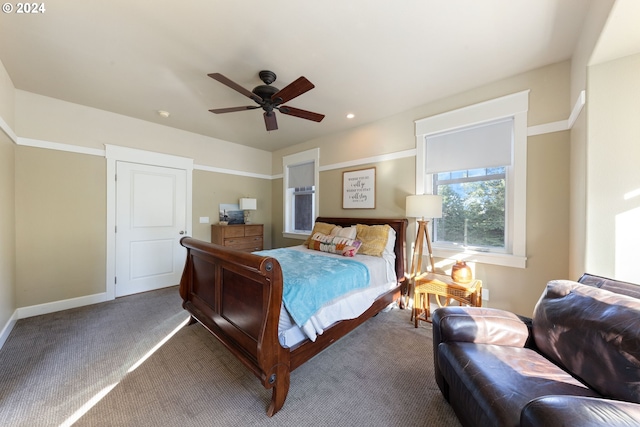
369 160
8 131
561 125
558 126
38 143
231 172
547 128
577 108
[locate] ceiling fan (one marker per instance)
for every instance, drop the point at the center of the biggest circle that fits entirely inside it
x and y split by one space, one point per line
270 98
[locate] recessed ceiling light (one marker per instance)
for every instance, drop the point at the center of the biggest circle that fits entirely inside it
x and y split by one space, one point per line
350 116
163 113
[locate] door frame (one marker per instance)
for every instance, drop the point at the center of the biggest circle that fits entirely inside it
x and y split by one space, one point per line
116 153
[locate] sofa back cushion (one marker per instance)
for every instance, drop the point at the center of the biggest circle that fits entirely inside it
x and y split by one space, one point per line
617 286
594 334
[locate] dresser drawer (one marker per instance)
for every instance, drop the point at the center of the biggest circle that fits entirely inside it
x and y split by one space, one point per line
241 237
253 230
233 231
249 244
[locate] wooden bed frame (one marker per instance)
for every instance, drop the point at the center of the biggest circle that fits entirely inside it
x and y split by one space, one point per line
237 296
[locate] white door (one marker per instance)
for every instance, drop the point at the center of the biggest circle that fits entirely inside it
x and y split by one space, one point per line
150 220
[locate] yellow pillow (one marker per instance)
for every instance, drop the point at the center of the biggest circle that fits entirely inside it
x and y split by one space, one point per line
373 237
319 227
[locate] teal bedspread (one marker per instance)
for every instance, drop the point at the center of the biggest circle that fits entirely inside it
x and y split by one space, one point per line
312 280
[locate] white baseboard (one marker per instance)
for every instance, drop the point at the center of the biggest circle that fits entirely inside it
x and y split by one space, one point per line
52 307
8 328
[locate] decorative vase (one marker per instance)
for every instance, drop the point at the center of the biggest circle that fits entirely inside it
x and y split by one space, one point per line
461 273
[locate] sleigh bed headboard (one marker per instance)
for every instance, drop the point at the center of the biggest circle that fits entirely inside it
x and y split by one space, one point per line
399 225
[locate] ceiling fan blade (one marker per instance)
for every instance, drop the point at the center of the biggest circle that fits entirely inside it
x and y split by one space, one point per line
303 114
233 109
270 120
235 86
297 88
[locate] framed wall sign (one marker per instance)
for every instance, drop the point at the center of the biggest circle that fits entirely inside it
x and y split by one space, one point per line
359 189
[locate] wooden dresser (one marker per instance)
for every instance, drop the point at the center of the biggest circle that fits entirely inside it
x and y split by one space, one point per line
242 237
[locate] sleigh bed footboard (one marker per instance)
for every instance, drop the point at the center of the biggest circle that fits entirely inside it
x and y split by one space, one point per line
237 296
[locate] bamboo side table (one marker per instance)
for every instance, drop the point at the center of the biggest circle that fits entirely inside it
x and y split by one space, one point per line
441 285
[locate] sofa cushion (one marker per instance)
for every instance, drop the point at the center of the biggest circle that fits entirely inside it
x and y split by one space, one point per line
594 334
490 384
617 286
580 411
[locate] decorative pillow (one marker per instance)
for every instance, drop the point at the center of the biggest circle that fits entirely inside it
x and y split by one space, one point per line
334 244
348 232
320 227
373 237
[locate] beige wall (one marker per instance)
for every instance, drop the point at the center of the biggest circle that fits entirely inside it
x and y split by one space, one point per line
569 185
60 225
7 97
613 173
61 220
547 179
7 230
591 31
61 196
211 189
43 118
7 203
395 180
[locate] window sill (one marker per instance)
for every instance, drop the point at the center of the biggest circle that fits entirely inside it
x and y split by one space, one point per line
504 260
297 236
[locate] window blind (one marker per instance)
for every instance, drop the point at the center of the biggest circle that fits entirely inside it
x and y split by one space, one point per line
482 146
301 175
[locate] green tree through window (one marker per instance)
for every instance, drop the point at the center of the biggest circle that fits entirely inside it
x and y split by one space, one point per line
473 208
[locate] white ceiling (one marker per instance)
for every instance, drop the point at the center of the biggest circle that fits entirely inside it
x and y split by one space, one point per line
373 58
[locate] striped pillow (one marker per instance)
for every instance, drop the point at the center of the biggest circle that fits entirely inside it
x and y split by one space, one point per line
334 244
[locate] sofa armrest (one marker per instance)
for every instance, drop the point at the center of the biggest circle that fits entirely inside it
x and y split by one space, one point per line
580 411
480 325
475 324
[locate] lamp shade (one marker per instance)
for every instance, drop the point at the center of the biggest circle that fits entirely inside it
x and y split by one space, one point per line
248 204
424 206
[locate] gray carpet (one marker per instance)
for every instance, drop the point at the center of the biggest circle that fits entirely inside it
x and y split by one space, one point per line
86 367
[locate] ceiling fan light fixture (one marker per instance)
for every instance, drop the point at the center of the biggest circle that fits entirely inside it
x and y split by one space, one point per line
270 98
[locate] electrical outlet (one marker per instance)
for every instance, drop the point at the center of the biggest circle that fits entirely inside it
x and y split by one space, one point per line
204 220
485 294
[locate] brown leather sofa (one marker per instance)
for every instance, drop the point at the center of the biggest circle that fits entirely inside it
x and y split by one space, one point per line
576 363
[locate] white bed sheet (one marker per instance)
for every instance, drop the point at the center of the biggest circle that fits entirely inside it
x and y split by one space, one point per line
349 306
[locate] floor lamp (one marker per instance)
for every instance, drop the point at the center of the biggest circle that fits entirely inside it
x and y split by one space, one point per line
423 206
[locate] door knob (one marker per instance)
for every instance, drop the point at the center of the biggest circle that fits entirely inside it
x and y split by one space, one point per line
182 232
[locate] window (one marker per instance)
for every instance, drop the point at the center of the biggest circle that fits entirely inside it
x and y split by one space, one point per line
300 193
473 208
303 208
468 169
475 158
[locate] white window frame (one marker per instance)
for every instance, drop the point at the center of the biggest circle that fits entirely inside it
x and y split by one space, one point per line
516 106
307 156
